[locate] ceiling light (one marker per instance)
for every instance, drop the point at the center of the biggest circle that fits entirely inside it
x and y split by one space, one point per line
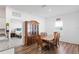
44 6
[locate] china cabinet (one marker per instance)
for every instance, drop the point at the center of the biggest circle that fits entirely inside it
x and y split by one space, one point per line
31 30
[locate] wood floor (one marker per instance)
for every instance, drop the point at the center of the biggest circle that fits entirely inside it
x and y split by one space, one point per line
64 48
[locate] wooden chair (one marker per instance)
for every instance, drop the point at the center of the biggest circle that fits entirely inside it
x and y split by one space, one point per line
43 34
55 40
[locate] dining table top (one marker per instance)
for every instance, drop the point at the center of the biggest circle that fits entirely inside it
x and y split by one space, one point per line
49 38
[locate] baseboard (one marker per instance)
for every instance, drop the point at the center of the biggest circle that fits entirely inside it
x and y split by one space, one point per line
69 42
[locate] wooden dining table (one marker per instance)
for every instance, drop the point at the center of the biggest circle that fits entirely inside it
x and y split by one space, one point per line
47 40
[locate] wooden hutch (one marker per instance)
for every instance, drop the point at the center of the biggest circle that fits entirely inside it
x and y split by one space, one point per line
31 29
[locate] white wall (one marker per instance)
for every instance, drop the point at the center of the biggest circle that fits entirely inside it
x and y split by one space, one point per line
2 11
70 32
2 17
24 17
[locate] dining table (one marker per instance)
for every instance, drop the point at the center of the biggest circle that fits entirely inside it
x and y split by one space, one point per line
47 39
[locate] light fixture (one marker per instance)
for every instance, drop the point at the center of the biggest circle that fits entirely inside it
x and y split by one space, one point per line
47 7
43 6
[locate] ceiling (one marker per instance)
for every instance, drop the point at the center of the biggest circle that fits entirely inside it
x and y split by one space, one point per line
46 10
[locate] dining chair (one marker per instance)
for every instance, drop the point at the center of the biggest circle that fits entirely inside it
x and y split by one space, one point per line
43 34
55 41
